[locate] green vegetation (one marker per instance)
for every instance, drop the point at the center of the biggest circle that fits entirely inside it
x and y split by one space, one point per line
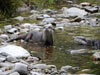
8 7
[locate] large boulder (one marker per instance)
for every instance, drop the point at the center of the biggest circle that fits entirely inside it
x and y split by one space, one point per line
15 51
73 11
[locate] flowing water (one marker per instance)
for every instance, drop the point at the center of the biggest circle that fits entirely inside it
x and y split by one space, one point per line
60 55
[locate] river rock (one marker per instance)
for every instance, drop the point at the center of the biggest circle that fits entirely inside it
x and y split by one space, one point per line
21 68
80 51
36 73
73 11
19 18
8 26
26 25
15 73
13 30
49 20
4 36
91 9
65 68
40 66
14 51
34 12
85 4
10 58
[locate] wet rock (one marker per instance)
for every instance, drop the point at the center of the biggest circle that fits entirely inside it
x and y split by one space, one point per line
15 51
40 66
21 68
73 11
19 18
8 27
13 30
15 73
80 51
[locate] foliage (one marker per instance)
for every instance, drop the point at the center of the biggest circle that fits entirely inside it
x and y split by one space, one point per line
8 7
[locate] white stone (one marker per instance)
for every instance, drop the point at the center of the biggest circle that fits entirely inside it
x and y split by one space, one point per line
65 68
14 51
4 36
73 11
26 25
19 18
33 12
40 66
36 73
49 20
7 26
78 51
46 16
13 30
21 68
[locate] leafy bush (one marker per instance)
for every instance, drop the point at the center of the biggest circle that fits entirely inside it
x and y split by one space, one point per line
8 7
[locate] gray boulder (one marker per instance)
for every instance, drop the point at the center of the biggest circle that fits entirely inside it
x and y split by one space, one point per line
21 68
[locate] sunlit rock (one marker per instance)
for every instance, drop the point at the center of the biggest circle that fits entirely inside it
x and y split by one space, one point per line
73 11
15 51
8 27
40 66
19 18
49 20
21 68
13 30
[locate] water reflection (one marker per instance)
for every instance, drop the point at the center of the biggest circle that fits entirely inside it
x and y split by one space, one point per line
36 50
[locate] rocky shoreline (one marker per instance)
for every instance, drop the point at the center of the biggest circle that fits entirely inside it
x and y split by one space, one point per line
15 60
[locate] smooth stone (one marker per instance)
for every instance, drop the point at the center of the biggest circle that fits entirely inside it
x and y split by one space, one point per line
36 73
19 18
85 4
13 30
46 16
15 51
40 66
26 25
21 68
34 12
2 59
4 36
8 27
80 51
15 73
49 20
10 58
73 11
65 68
